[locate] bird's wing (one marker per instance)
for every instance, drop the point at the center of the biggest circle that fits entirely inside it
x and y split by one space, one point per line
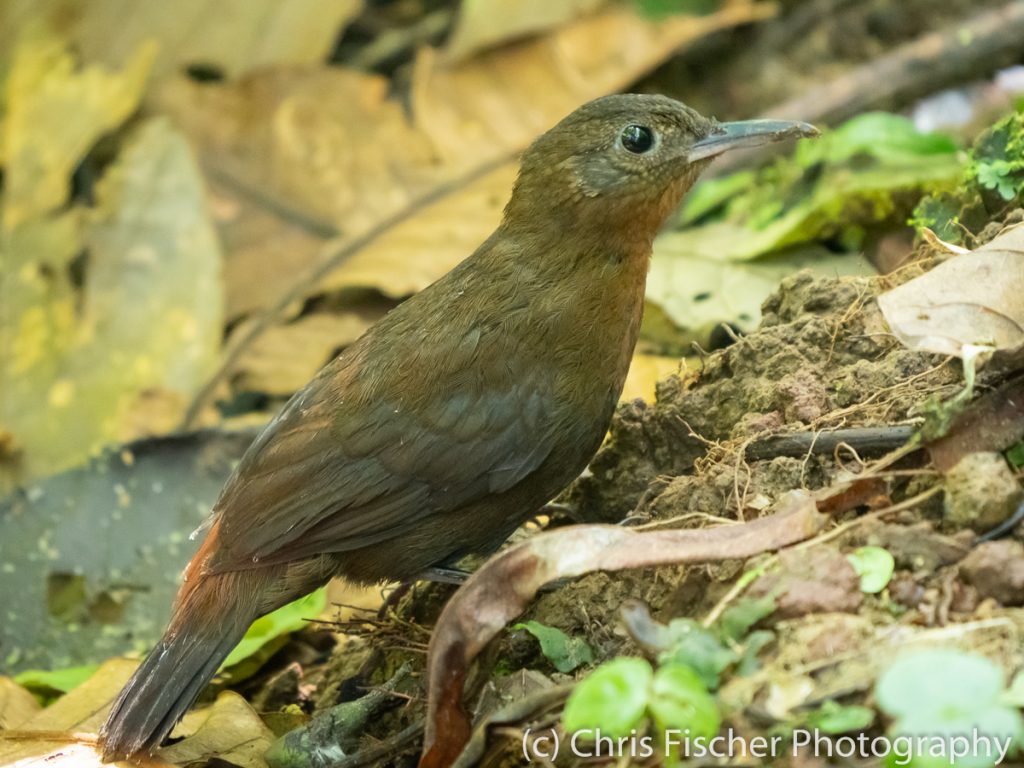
339 469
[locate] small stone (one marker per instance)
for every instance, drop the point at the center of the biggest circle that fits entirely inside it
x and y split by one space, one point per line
819 580
981 492
996 569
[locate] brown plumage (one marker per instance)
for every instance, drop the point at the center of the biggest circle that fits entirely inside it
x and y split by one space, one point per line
456 416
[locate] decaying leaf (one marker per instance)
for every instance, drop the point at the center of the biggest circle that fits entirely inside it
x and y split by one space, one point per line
645 371
149 316
696 292
233 36
503 586
975 299
299 136
486 23
229 731
16 704
285 357
40 145
67 728
993 422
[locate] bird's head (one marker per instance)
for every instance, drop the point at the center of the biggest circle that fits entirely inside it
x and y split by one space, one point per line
623 163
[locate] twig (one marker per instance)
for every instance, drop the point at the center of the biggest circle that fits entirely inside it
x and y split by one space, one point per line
864 440
745 581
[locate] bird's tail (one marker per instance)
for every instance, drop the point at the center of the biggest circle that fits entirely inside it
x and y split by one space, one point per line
210 618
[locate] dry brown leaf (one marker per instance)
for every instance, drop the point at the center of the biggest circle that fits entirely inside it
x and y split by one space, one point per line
234 35
285 357
973 299
80 711
331 146
993 422
255 242
16 704
229 730
486 23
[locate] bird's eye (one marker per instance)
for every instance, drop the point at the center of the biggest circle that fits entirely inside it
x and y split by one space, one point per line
637 138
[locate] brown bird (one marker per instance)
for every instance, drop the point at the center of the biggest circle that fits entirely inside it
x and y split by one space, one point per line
456 416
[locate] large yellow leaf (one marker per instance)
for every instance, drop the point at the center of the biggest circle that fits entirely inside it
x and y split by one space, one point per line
149 319
335 148
486 23
234 35
54 114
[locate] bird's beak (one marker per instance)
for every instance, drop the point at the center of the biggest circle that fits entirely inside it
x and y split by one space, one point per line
748 133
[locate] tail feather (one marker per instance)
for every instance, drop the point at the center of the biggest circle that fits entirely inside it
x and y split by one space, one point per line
210 618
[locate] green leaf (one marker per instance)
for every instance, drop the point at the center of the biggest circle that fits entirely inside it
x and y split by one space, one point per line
1014 695
679 701
565 652
699 649
875 567
613 698
994 722
57 680
831 717
737 620
752 646
866 173
1015 455
659 9
947 693
286 619
938 682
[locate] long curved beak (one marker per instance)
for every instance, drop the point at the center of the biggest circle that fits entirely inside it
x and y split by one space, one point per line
748 133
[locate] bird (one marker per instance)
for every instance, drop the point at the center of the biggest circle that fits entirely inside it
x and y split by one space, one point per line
457 415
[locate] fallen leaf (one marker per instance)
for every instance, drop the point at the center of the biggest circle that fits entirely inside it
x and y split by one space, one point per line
993 422
16 704
501 589
40 145
285 357
645 371
974 299
148 318
697 292
78 714
486 23
229 731
299 136
234 36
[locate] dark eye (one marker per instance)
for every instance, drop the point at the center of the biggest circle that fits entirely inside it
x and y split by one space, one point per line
637 138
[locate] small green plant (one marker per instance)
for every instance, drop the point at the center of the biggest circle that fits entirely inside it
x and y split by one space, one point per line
564 652
875 567
834 718
620 696
992 178
949 694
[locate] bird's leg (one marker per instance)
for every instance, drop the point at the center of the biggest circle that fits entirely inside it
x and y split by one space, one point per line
441 574
438 574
